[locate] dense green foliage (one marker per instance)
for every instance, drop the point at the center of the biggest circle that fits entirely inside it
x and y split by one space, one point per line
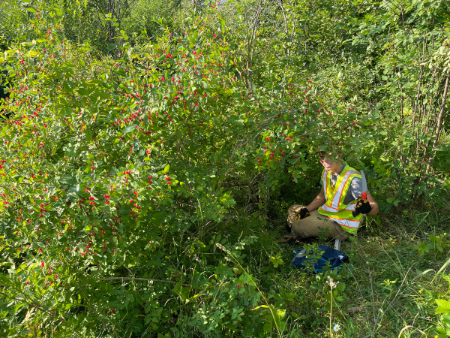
152 148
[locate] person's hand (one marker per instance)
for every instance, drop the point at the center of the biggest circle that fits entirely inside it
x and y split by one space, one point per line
362 207
302 214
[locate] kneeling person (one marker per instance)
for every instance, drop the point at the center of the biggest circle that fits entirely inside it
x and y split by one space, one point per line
331 211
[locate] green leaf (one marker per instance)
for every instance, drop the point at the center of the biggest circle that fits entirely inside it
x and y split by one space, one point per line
67 86
274 261
68 180
446 320
84 91
129 128
341 287
443 306
31 10
166 169
88 134
157 218
268 327
281 313
75 189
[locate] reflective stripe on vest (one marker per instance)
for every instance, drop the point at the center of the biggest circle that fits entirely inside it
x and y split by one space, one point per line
334 206
324 180
348 223
349 207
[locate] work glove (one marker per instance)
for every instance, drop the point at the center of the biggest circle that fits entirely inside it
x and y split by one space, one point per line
302 214
362 207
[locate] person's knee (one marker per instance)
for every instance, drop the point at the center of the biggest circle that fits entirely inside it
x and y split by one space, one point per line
298 230
304 229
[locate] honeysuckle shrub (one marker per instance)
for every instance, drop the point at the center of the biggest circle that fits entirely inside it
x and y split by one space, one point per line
112 170
394 66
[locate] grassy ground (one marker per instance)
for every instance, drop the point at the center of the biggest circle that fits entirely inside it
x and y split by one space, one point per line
386 290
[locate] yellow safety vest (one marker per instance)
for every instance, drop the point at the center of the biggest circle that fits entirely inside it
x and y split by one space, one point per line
334 207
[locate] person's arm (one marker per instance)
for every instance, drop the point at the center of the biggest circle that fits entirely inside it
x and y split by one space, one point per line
373 204
317 202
